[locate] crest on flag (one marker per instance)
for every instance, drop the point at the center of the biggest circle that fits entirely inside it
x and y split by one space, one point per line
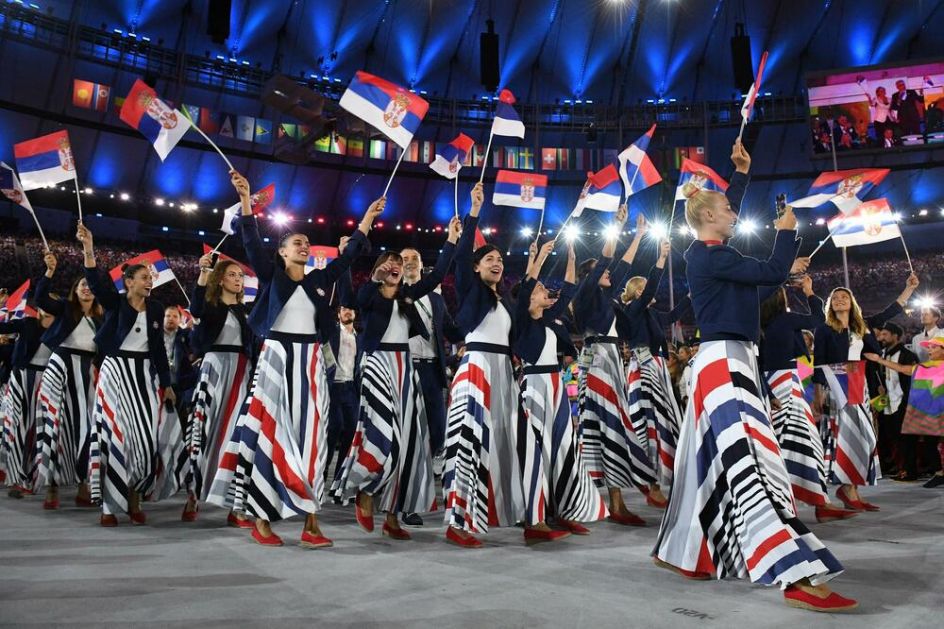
527 189
65 153
158 110
396 111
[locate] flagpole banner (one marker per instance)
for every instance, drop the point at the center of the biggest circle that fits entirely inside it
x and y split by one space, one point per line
259 201
391 109
162 125
527 190
44 161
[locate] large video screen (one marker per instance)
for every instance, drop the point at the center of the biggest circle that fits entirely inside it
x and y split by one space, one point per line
877 107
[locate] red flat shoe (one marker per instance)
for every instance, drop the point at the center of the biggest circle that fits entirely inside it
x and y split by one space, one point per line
364 519
575 528
537 536
83 502
395 533
238 523
271 540
468 541
854 505
626 519
868 506
189 516
795 597
310 540
51 505
688 574
138 518
829 514
658 504
108 520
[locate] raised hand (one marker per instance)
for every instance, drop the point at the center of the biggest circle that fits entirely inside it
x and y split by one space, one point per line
376 208
240 183
342 244
621 214
50 261
912 281
478 196
740 157
83 235
642 226
455 230
546 249
665 247
381 272
206 262
800 265
787 220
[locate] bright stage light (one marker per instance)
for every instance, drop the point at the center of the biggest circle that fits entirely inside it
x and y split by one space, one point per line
821 221
88 191
923 212
746 226
527 232
125 196
571 233
925 301
658 231
280 218
158 201
611 232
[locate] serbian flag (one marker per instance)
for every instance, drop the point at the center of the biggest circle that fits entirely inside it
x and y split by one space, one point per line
506 121
450 157
250 281
394 111
44 161
259 202
162 125
602 191
636 169
11 188
479 238
15 305
871 222
161 272
694 177
843 188
748 105
319 257
517 189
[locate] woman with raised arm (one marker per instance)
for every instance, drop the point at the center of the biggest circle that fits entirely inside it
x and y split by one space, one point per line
137 439
274 466
389 466
557 483
482 477
654 413
614 454
226 344
67 390
841 390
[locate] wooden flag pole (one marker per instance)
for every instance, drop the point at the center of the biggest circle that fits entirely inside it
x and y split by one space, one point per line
213 144
488 150
395 167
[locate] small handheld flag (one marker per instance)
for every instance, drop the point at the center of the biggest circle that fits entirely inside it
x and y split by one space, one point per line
45 161
449 158
752 93
602 192
506 121
694 177
258 201
162 125
636 169
519 189
15 305
843 188
250 279
393 110
319 257
869 223
161 272
11 189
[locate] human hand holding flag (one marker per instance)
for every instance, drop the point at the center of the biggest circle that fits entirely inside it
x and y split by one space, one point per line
258 202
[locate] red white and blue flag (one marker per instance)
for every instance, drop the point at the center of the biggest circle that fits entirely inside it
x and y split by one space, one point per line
602 191
449 158
250 279
15 305
870 222
161 272
393 110
518 189
258 201
636 169
506 121
319 256
11 188
694 177
843 188
748 105
45 161
161 124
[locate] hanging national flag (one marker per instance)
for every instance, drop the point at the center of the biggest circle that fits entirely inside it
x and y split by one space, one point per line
204 118
319 256
15 305
511 157
263 134
844 188
378 149
479 156
548 159
506 121
161 272
748 105
565 159
250 280
450 157
226 127
693 153
636 169
44 161
870 222
11 188
90 95
323 144
695 177
525 159
394 111
162 125
516 189
245 128
288 130
355 147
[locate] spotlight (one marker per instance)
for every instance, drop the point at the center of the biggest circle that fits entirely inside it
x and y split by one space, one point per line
611 232
159 202
125 196
188 207
897 217
925 301
821 221
923 213
527 232
320 220
746 226
659 231
280 218
571 233
89 191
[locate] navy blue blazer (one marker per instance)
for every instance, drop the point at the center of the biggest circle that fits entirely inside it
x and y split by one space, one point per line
120 317
443 328
831 347
782 341
212 319
640 325
723 285
376 309
476 299
28 339
277 287
64 324
593 304
531 335
183 355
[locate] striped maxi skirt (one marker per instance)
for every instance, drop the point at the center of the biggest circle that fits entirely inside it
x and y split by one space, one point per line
482 483
556 479
798 436
390 455
849 441
654 412
614 454
136 444
66 399
221 389
273 466
731 509
18 411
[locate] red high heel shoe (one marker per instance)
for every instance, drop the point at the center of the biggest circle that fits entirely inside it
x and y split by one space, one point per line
658 504
795 597
466 541
537 536
826 513
138 518
310 540
575 528
849 503
271 540
364 519
627 519
395 533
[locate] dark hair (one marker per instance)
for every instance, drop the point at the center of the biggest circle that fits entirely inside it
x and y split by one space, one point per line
75 308
384 257
128 271
477 257
586 267
772 307
894 328
214 287
279 262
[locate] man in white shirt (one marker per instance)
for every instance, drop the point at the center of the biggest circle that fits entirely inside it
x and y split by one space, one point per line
342 418
930 320
896 449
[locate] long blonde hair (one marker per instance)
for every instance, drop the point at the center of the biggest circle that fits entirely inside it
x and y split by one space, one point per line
856 320
633 286
697 201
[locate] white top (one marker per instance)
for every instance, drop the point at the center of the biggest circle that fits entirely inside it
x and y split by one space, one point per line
347 353
495 328
398 328
137 340
880 110
82 337
232 333
855 347
297 315
588 332
41 357
893 385
549 350
420 347
922 352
